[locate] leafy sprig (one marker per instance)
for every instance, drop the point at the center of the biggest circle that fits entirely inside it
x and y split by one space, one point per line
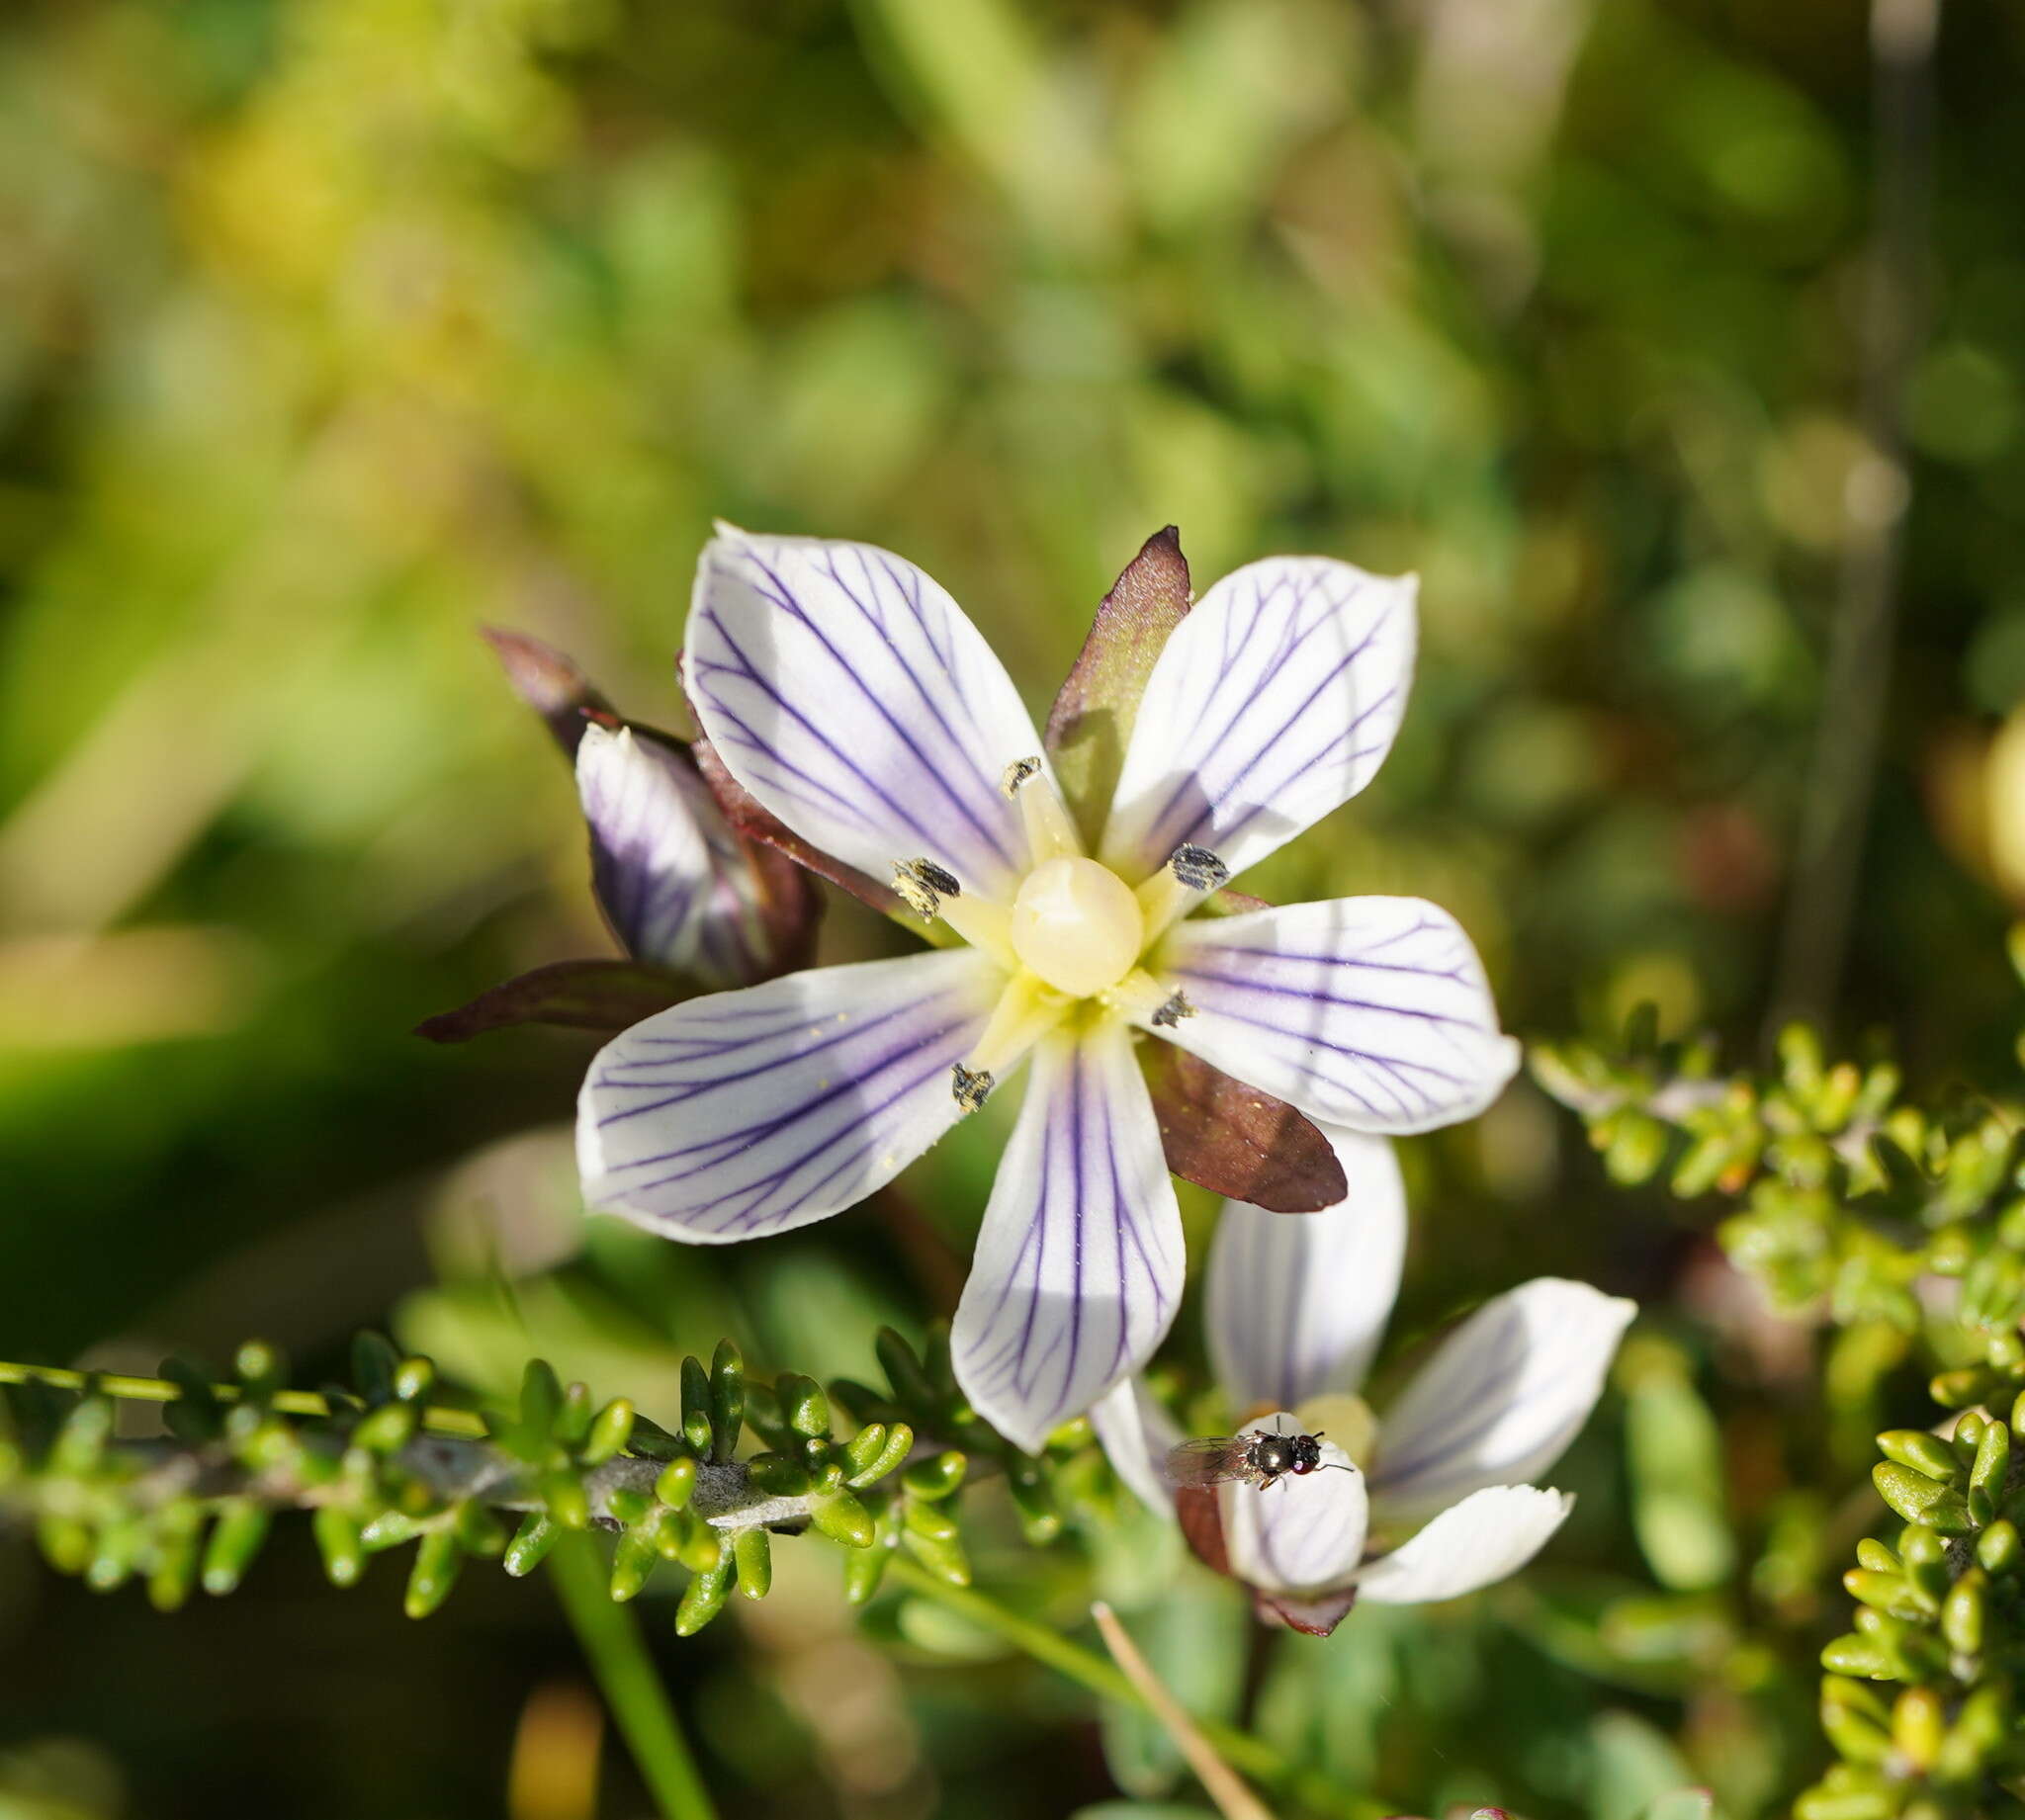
1857 1207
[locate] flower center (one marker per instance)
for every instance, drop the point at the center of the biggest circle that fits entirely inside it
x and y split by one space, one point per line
1077 925
1343 1418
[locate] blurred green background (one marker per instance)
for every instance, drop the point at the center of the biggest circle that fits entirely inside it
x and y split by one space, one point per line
331 329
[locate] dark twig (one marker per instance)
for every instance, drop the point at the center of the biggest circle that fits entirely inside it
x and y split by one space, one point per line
1835 812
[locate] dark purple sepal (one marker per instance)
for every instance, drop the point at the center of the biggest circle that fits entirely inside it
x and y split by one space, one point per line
1315 1615
1236 1141
1091 723
790 906
605 996
550 683
762 828
1200 1512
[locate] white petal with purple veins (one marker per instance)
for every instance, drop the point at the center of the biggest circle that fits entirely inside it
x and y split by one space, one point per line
1296 1302
750 1112
1273 702
1371 1013
1502 1398
1079 1261
1475 1543
848 692
670 873
1136 1433
1296 1535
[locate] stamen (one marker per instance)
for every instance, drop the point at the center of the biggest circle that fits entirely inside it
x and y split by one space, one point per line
1142 1000
1026 1012
922 885
932 891
1199 868
972 1088
1050 833
1173 1011
1175 889
984 925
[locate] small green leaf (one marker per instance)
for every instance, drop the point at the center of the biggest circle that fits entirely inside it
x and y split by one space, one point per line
415 1379
703 1599
803 1406
678 1482
386 1429
935 1477
438 1562
696 1423
531 1541
911 1386
610 1430
752 1555
1918 1499
843 1518
374 1363
633 1559
1922 1452
726 1398
236 1540
541 1398
898 1444
337 1540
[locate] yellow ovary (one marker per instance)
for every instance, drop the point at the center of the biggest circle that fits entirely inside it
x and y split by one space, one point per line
1077 925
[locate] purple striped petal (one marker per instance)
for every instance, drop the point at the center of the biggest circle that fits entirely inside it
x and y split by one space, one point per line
673 881
1273 702
1296 1535
1503 1397
1078 1262
1296 1302
848 692
1371 1013
752 1112
1491 1533
1136 1433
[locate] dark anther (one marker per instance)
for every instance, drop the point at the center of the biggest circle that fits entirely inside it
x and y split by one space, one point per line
923 885
1199 868
971 1089
1017 773
1172 1013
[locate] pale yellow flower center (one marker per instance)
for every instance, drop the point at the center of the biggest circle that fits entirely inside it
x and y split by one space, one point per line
1077 925
1343 1418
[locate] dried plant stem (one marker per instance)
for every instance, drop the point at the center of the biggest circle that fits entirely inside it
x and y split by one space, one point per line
1221 1783
466 1423
1835 812
1252 1756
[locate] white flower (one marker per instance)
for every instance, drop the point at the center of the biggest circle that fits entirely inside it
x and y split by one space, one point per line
677 884
845 691
1297 1305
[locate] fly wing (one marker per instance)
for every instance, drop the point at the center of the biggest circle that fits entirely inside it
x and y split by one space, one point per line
1210 1461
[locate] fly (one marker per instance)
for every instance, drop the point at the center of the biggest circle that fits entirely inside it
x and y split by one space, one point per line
1256 1460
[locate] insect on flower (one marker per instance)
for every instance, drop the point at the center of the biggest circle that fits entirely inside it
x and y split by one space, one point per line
845 692
1259 1459
1441 1502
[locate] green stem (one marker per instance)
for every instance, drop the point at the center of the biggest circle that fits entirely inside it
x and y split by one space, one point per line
467 1423
629 1680
1254 1756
